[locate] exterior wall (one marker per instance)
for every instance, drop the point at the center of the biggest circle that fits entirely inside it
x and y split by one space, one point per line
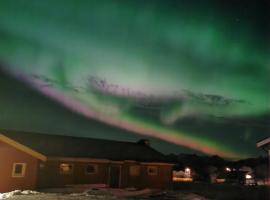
10 155
163 178
131 181
50 176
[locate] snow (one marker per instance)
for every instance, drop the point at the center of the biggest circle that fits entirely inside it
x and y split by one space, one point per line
113 192
16 192
99 189
98 192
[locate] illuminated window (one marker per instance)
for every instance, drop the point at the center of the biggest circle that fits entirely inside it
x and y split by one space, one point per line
41 165
66 168
152 170
91 169
134 170
18 170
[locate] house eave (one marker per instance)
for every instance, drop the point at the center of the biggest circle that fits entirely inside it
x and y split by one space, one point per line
96 160
157 163
22 147
263 142
77 159
82 159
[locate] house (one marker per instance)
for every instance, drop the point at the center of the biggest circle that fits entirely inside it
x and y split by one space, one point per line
34 160
265 145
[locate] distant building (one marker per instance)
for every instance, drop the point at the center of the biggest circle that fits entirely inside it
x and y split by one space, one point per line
182 175
33 161
265 145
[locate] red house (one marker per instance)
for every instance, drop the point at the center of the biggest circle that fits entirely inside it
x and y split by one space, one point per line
33 161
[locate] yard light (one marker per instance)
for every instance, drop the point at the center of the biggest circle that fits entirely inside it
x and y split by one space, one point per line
248 176
187 170
227 169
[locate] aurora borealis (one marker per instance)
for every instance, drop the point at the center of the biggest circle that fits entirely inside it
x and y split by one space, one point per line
192 74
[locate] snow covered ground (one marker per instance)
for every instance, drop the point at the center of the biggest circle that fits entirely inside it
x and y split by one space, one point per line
17 192
102 193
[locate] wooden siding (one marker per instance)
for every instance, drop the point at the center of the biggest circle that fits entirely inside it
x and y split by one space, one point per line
10 155
163 178
49 174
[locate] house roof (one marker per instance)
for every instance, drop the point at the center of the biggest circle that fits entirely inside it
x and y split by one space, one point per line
263 142
80 147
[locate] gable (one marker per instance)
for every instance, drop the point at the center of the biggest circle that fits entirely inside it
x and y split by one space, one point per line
22 148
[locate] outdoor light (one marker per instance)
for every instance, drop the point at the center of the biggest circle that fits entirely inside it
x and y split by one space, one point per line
187 170
248 176
228 169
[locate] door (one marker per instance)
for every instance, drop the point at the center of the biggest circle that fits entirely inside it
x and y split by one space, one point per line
114 178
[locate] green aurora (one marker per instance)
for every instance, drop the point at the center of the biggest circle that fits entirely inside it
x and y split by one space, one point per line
195 74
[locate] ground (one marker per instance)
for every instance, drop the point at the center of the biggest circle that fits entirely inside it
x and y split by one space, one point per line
225 191
54 196
191 191
80 193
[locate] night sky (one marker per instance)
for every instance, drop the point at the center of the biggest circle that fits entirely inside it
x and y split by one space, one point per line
192 76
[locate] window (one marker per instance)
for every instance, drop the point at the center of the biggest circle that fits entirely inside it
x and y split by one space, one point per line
18 170
41 165
66 168
134 170
91 169
152 170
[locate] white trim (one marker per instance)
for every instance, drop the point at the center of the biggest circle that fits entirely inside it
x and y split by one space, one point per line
89 160
157 163
71 159
22 174
131 161
22 147
96 160
263 142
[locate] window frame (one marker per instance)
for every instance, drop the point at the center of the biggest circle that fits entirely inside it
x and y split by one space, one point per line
23 170
131 172
95 167
66 173
152 173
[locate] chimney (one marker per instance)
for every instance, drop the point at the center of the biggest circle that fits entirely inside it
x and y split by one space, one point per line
144 142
